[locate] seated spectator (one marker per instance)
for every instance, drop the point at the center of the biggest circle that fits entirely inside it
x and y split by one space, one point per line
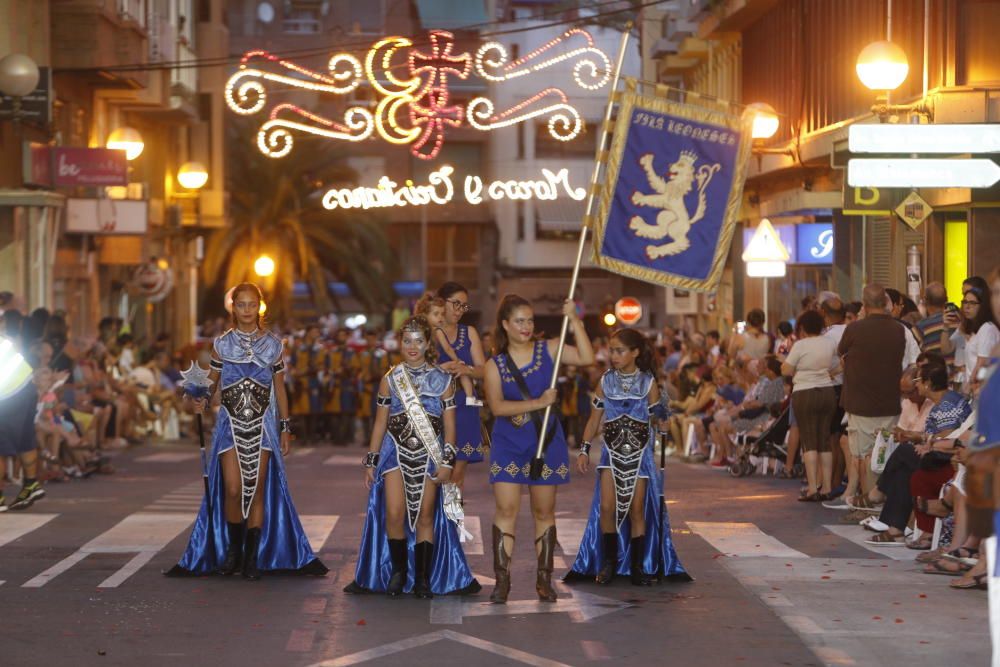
765 396
921 464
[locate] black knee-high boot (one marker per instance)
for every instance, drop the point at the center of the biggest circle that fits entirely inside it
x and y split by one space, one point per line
252 544
400 567
422 560
639 578
234 552
609 562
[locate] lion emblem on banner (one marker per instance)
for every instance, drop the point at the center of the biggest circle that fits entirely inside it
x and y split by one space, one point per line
673 220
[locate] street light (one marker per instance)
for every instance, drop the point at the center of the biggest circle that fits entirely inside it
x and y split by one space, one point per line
18 77
765 120
126 139
192 175
264 266
882 66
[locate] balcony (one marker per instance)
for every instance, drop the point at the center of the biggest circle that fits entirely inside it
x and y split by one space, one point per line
101 34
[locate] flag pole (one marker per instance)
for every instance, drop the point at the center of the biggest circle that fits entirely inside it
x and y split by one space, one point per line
538 462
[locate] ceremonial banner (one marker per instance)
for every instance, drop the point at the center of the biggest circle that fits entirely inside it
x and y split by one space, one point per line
672 191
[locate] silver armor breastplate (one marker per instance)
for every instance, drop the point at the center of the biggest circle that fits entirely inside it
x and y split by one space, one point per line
413 458
625 439
247 401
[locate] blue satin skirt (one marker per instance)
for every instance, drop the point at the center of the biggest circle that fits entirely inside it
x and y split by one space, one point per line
588 559
283 543
450 572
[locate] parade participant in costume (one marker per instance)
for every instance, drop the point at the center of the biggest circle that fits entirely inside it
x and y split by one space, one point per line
246 474
517 392
628 484
308 359
373 363
410 521
465 343
342 394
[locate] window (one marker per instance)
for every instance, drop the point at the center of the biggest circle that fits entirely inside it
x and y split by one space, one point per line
301 18
367 16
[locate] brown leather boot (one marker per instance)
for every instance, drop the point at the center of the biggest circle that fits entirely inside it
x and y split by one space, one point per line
501 567
543 580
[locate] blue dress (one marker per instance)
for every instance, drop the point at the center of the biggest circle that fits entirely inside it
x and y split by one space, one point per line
248 422
626 417
449 571
468 428
512 446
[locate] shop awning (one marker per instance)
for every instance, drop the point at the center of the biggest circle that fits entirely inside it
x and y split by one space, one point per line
451 14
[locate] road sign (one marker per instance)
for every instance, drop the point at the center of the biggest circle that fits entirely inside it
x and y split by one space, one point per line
914 210
765 255
871 201
628 310
922 173
945 138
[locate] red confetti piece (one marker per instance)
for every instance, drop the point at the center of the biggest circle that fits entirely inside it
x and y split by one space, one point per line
899 620
362 622
775 588
825 577
876 618
788 565
922 595
924 642
836 620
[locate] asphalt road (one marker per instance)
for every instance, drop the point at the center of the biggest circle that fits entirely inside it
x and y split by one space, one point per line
81 584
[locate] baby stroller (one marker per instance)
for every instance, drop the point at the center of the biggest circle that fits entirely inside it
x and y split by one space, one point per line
771 444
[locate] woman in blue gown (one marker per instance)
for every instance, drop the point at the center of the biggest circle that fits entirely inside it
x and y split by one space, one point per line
247 520
408 544
520 359
628 483
466 345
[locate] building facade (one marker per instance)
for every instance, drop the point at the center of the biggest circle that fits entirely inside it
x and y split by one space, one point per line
799 57
129 250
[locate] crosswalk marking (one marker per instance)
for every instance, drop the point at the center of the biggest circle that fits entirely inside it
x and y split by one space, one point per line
318 528
14 525
474 526
569 533
742 540
144 533
301 451
342 460
858 535
167 457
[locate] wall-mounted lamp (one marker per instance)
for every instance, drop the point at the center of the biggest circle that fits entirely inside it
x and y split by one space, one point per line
882 67
192 175
126 139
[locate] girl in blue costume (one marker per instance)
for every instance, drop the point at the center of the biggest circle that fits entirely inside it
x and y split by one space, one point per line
515 435
466 346
628 483
246 475
406 521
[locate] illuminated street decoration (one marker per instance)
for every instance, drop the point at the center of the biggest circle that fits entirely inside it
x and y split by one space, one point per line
416 111
440 189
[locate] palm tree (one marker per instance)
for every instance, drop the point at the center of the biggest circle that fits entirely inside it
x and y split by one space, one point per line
275 210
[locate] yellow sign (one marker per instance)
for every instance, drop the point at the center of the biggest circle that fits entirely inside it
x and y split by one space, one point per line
913 210
870 201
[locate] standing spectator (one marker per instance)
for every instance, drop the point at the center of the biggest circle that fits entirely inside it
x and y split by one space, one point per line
814 401
852 312
673 360
753 343
833 319
932 327
785 339
979 329
712 343
872 351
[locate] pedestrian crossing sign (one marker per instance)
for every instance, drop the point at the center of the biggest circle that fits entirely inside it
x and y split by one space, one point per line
914 210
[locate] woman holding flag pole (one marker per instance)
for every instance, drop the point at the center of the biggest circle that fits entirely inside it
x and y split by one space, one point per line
247 520
517 391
